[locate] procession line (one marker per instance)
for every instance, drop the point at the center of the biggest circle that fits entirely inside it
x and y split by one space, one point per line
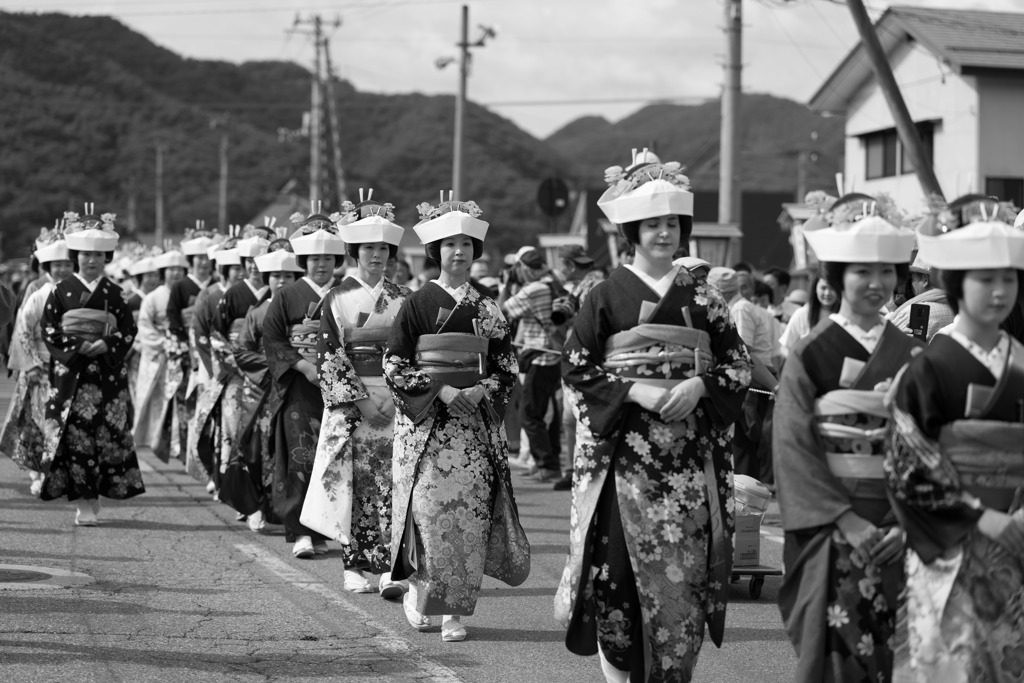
388 638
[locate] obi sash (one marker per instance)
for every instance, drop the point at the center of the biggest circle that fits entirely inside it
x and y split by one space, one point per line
237 325
656 354
457 359
364 347
302 338
989 459
853 425
88 323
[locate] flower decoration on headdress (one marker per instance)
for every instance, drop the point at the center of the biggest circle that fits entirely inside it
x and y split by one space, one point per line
844 214
50 235
200 230
312 223
819 200
428 211
646 167
73 222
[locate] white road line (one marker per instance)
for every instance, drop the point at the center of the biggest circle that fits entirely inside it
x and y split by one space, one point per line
388 638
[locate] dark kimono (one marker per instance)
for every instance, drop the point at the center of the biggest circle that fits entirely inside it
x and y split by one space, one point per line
650 543
202 459
134 299
454 514
349 496
829 441
180 383
89 414
296 406
956 450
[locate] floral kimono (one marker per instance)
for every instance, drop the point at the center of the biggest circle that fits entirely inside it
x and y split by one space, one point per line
153 418
239 396
22 437
290 329
652 501
89 414
248 482
958 430
454 514
829 440
349 497
134 299
181 382
202 459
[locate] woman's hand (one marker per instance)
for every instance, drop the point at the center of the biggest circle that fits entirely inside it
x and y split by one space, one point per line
307 370
34 376
456 402
859 533
1006 530
890 548
474 394
647 397
682 399
371 413
387 408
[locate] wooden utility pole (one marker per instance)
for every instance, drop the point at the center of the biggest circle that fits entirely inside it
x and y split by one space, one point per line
332 108
909 137
159 194
728 157
460 105
221 122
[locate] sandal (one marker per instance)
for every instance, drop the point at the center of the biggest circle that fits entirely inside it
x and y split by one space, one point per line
418 621
452 630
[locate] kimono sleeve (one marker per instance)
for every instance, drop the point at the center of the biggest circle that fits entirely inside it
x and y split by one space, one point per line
119 341
248 349
281 356
63 347
339 383
810 495
7 305
501 359
602 395
176 303
410 387
24 352
726 383
925 489
149 334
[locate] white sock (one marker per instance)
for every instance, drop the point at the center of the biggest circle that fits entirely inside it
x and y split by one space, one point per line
611 673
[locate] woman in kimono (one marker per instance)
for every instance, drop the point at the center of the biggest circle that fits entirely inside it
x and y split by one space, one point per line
843 551
22 437
238 396
145 278
450 367
89 331
153 395
290 332
212 353
658 373
956 469
349 497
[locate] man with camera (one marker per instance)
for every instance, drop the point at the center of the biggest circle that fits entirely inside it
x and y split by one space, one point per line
527 296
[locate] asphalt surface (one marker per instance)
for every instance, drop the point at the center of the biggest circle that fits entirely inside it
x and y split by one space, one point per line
183 591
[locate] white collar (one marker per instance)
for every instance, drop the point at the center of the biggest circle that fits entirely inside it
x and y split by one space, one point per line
994 360
866 338
375 290
256 292
660 286
91 286
202 283
322 291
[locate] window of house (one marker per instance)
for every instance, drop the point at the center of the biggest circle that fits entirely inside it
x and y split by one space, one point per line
1007 189
885 156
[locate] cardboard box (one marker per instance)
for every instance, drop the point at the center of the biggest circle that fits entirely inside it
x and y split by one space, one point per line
747 541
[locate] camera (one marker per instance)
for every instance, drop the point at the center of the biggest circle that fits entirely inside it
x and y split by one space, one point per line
563 309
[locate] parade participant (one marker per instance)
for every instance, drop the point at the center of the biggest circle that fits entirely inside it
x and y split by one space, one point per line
89 331
248 483
290 334
349 496
650 543
955 470
823 300
22 437
239 397
450 367
205 437
843 551
145 279
153 402
181 363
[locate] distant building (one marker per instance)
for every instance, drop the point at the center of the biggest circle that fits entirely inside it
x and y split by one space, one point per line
961 73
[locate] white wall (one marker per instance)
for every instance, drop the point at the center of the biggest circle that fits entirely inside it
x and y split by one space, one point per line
931 92
1001 123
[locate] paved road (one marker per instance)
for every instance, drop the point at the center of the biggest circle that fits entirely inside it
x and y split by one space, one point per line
183 591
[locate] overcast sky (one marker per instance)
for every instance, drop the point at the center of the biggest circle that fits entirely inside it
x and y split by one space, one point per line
552 60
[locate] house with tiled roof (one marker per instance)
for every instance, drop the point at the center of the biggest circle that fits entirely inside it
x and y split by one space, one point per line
961 73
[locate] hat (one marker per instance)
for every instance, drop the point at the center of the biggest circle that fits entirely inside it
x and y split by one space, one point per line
144 265
197 246
227 257
89 233
575 253
725 280
919 266
1019 221
50 245
531 258
317 235
373 228
277 261
647 189
863 229
449 218
170 259
691 262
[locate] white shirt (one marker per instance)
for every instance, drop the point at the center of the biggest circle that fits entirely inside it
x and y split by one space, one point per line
257 292
866 338
755 326
322 291
91 286
798 327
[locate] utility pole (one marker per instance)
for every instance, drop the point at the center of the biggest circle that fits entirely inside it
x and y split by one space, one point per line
458 153
316 141
159 192
909 136
221 121
332 108
728 157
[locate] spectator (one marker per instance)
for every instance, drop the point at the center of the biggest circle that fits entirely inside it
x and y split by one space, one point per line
779 280
803 321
